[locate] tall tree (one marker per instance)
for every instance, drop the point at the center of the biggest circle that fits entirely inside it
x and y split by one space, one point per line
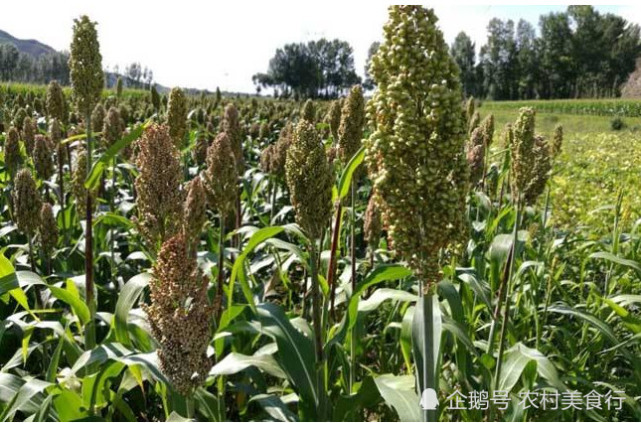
464 54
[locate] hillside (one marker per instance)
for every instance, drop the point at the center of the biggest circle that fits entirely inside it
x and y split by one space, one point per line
33 47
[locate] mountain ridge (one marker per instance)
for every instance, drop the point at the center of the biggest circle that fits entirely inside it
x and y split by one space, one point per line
31 46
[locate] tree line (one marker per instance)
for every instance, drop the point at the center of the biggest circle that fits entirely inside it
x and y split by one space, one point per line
23 67
578 53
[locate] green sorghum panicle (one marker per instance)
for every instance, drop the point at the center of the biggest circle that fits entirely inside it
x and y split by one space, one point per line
26 202
522 159
180 315
221 175
266 158
469 108
112 127
155 98
279 153
199 152
29 130
85 65
98 117
78 182
416 153
334 118
55 102
177 117
263 132
309 179
476 154
540 171
308 112
557 140
195 212
158 184
474 122
19 118
350 131
231 127
43 157
55 132
48 229
12 158
372 225
487 126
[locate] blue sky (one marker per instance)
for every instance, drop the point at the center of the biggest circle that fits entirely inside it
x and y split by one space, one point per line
204 44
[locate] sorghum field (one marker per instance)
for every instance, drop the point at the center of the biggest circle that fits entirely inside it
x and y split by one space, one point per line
174 257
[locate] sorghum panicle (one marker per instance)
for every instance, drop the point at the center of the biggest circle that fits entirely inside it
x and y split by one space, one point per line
112 127
231 127
29 130
416 153
179 315
309 179
12 158
350 131
48 229
195 212
372 224
43 157
334 118
85 65
159 200
98 117
55 102
557 140
540 171
177 117
26 202
221 176
522 159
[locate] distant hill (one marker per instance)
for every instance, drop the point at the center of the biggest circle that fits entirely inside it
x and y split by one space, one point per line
32 47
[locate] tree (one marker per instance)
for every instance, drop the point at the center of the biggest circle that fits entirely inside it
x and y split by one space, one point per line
368 83
319 68
464 54
528 67
557 61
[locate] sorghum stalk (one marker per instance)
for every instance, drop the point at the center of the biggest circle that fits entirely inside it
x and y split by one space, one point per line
87 81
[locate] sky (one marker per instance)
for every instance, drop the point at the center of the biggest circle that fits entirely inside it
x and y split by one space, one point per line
208 44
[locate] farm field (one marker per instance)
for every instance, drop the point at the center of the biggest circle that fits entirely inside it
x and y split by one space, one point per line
402 254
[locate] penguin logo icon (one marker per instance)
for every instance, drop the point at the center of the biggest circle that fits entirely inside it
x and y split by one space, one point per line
429 400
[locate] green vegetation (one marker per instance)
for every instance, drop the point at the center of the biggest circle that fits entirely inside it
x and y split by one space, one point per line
259 259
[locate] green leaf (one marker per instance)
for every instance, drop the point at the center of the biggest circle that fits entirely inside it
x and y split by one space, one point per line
235 362
400 394
93 179
275 407
239 272
126 300
616 259
346 176
113 219
295 351
384 294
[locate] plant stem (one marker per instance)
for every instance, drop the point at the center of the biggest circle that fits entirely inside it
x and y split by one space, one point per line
61 183
316 306
510 265
429 361
90 334
218 303
331 269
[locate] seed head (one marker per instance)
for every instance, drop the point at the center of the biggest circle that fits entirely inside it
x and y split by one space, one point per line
85 65
372 225
266 158
55 133
55 101
12 158
476 154
158 182
279 153
177 117
469 108
521 150
487 127
540 171
19 118
474 122
98 117
179 315
48 229
195 212
26 202
112 127
350 131
309 179
334 118
231 126
221 177
43 157
309 112
199 152
416 154
78 182
29 131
